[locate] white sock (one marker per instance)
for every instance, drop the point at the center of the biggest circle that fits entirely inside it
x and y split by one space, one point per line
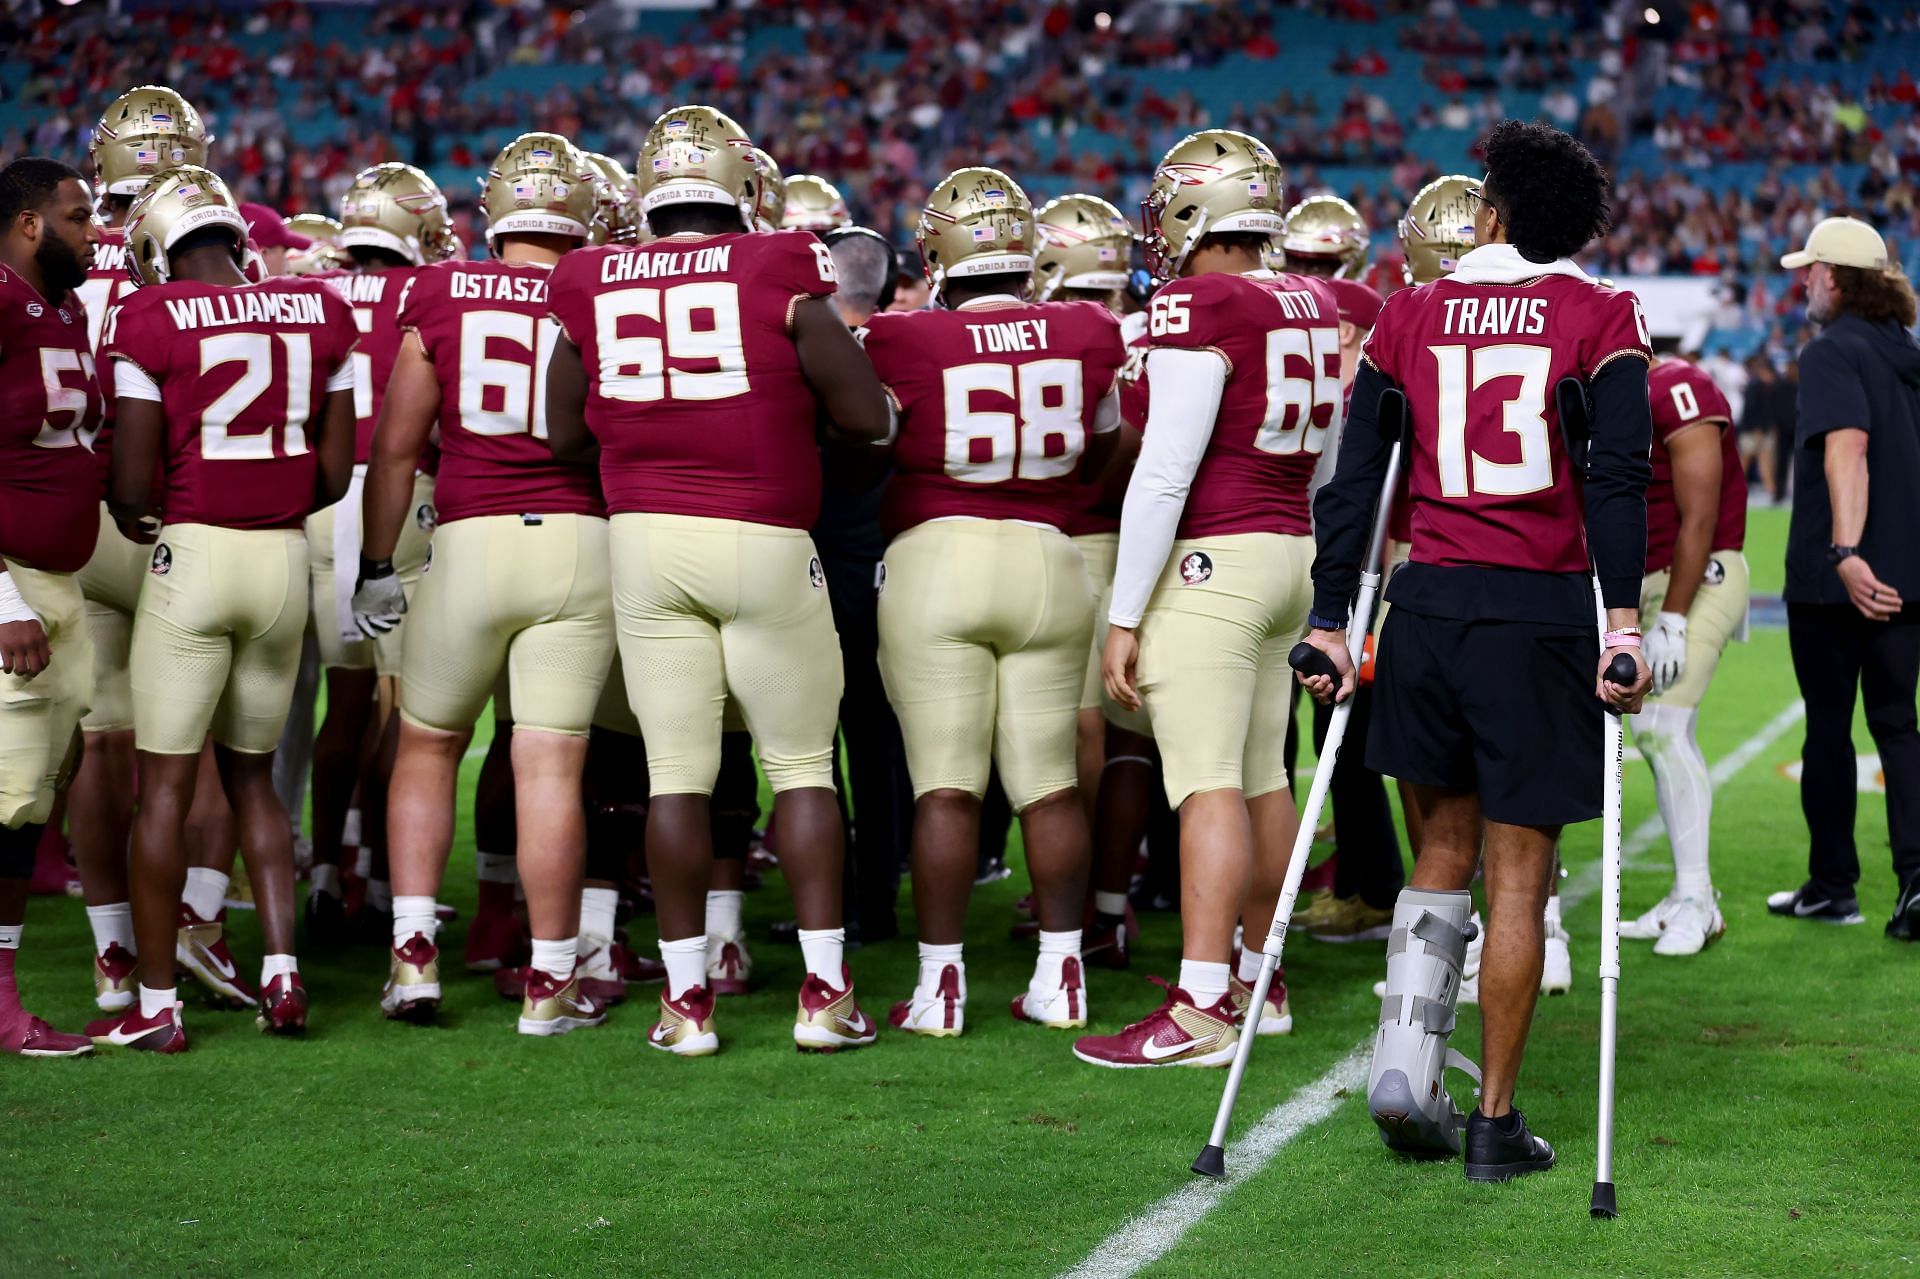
555 958
272 966
324 878
598 908
1055 950
1683 789
1114 904
350 829
824 949
363 863
10 936
380 896
1205 982
686 961
111 924
934 958
206 891
494 868
723 913
1250 961
154 1002
413 914
1551 916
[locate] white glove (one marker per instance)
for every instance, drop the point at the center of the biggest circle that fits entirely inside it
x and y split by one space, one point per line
378 600
1665 648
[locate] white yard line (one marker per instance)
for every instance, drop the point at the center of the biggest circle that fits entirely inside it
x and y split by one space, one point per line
1151 1235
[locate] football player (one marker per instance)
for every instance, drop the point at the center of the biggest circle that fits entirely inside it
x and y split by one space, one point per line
323 251
985 612
519 583
616 218
49 494
144 131
1490 683
770 214
1083 254
1696 592
1210 586
813 204
239 399
1327 237
691 365
396 223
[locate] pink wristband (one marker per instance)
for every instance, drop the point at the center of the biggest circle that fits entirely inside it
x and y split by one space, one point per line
1619 639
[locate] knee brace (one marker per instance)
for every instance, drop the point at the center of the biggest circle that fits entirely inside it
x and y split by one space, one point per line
1406 1093
18 845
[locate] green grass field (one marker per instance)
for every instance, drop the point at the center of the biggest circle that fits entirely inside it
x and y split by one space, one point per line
1767 1107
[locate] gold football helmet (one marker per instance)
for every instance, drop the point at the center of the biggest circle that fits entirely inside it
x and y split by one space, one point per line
616 218
539 183
1438 228
324 253
772 208
171 207
814 204
147 130
1326 235
977 222
398 208
1210 181
1082 243
697 155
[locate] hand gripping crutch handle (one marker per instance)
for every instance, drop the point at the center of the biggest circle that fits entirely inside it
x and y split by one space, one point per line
1310 661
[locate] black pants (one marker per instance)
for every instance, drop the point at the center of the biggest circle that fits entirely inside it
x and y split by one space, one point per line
881 823
1369 866
1836 651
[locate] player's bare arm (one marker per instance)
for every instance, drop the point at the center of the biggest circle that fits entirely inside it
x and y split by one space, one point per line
839 372
139 427
1846 467
407 418
567 434
335 451
1695 452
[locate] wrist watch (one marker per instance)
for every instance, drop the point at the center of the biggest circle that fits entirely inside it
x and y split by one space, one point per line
1837 552
1319 623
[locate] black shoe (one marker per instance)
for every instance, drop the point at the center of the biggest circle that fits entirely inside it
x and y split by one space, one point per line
326 920
1905 924
1809 902
1502 1149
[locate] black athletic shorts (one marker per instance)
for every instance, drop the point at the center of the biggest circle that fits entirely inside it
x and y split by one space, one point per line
1505 709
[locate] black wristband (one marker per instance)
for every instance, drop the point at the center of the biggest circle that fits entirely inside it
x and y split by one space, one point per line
1319 623
374 570
1837 552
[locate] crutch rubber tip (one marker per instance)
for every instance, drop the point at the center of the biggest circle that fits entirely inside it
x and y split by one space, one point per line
1603 1204
1213 1162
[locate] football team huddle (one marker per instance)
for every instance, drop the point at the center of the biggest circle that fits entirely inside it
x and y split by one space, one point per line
576 480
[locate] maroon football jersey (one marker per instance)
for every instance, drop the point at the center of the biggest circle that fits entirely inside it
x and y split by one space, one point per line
243 373
1489 479
486 327
694 384
376 297
1098 507
1280 336
996 402
1682 394
49 411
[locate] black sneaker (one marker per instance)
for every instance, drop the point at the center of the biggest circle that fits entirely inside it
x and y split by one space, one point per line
1905 924
326 920
1808 902
1502 1149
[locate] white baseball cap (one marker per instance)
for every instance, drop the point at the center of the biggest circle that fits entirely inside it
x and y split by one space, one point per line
1841 242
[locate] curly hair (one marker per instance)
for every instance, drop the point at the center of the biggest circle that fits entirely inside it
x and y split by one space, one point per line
1876 295
1548 189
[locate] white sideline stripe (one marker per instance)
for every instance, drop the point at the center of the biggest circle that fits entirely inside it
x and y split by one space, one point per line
1152 1234
1146 1238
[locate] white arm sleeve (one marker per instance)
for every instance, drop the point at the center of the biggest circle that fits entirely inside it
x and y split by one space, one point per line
130 382
1106 415
1185 397
342 378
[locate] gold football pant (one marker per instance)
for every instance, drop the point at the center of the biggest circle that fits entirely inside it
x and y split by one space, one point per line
111 582
327 541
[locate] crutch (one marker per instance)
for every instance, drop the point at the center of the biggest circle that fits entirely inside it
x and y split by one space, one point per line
1311 661
1571 398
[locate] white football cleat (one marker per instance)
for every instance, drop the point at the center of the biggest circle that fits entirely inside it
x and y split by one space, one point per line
1650 925
937 1010
1694 926
1061 1004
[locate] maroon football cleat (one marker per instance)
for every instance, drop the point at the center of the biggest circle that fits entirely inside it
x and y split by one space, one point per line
1177 1033
511 982
638 968
283 1006
162 1033
1319 877
200 949
53 874
27 1036
496 940
1102 946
